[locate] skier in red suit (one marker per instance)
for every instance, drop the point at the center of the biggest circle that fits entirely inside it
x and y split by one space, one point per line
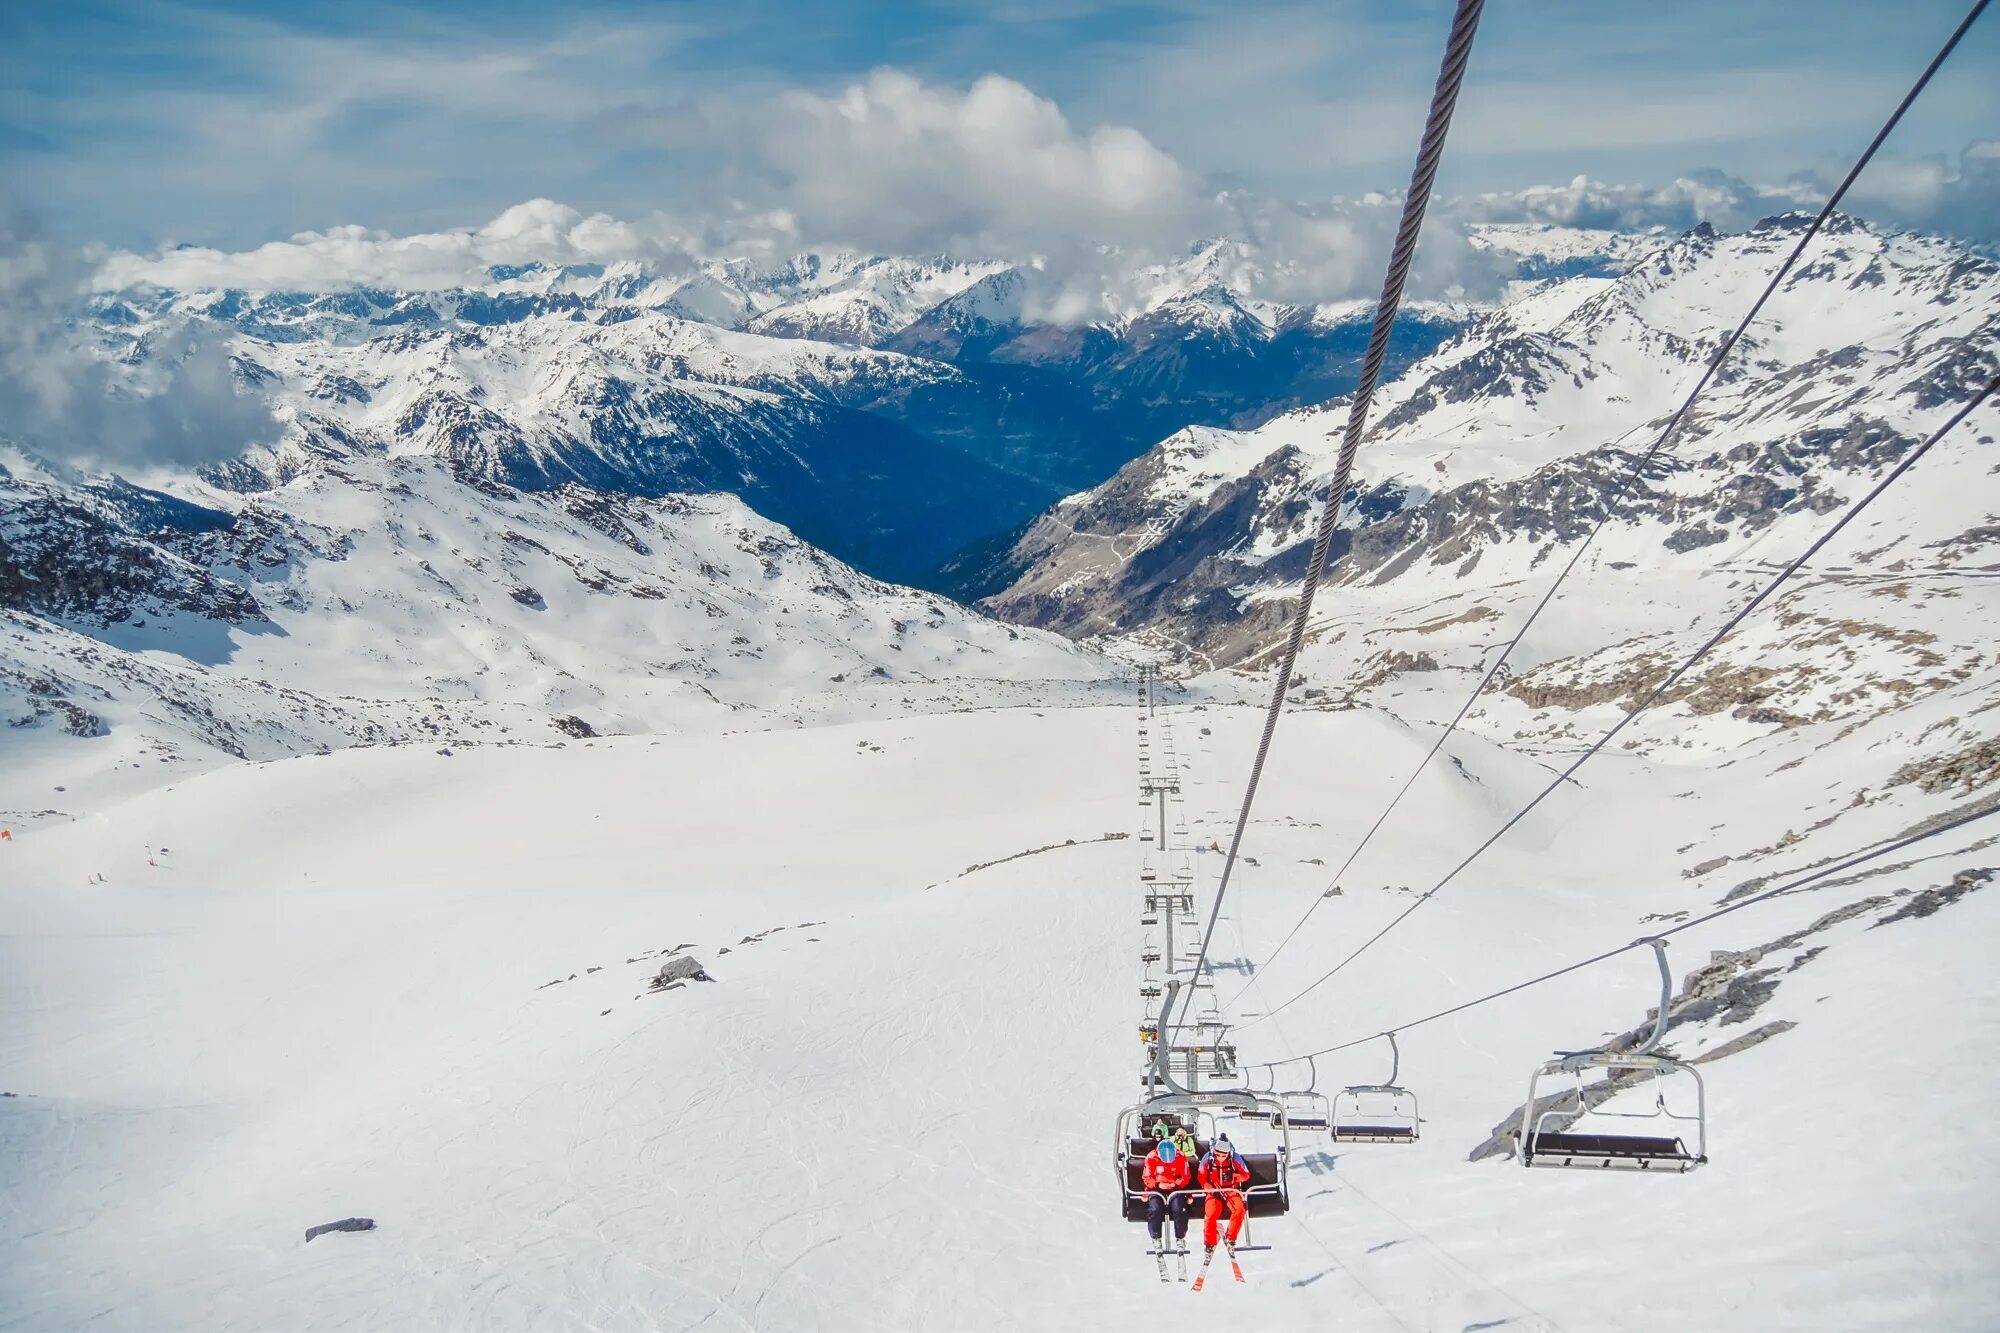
1223 1174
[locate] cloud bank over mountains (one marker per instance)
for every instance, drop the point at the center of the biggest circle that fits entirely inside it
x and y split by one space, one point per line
67 401
891 164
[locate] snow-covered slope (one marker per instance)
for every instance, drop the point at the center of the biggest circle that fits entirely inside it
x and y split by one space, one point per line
415 988
386 601
1495 454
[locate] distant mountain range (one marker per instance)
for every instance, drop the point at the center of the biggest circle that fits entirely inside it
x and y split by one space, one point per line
892 411
561 505
1491 457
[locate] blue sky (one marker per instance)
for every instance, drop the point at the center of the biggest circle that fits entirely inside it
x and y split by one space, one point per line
233 124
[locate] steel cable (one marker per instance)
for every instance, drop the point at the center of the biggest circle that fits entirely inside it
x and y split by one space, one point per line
1444 99
1861 858
1637 466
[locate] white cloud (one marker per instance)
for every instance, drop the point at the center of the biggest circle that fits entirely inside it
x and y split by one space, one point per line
1959 198
891 164
65 399
540 230
1709 197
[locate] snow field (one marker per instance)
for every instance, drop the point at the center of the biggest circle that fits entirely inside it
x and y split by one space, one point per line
330 999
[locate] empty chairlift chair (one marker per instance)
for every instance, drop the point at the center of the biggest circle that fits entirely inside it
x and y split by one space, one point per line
1307 1107
1376 1112
1572 1130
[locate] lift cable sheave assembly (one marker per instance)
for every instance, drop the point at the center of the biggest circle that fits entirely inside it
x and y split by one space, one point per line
1664 442
1444 99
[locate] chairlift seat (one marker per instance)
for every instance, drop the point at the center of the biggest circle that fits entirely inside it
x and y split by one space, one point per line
1627 1152
1345 1133
1263 1197
1561 1146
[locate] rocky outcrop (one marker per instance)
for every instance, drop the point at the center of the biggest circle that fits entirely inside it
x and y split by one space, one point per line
98 555
678 971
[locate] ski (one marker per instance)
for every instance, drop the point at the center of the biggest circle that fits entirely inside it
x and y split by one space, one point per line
1234 1267
1160 1254
1180 1256
1202 1276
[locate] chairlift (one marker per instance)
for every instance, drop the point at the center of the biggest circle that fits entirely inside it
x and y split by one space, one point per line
1268 1193
1376 1112
1307 1107
1665 1150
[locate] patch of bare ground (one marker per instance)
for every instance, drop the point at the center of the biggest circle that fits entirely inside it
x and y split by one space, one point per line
1471 615
1968 769
1973 540
1744 691
1392 663
1757 692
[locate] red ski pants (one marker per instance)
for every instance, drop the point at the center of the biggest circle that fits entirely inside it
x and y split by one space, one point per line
1212 1213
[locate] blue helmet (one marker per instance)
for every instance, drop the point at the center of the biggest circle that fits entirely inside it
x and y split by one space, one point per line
1167 1150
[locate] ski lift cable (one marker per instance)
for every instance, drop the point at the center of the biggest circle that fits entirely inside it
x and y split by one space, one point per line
1637 466
1985 811
1444 99
1908 461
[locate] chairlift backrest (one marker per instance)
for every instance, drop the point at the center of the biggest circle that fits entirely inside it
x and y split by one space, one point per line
1374 1113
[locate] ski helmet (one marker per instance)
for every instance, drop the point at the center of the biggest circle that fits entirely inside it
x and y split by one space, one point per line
1167 1150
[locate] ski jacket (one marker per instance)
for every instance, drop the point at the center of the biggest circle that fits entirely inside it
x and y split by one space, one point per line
1223 1171
1166 1176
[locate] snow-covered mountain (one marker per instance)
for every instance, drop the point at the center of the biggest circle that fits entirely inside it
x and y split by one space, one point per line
892 410
1491 456
651 405
358 801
